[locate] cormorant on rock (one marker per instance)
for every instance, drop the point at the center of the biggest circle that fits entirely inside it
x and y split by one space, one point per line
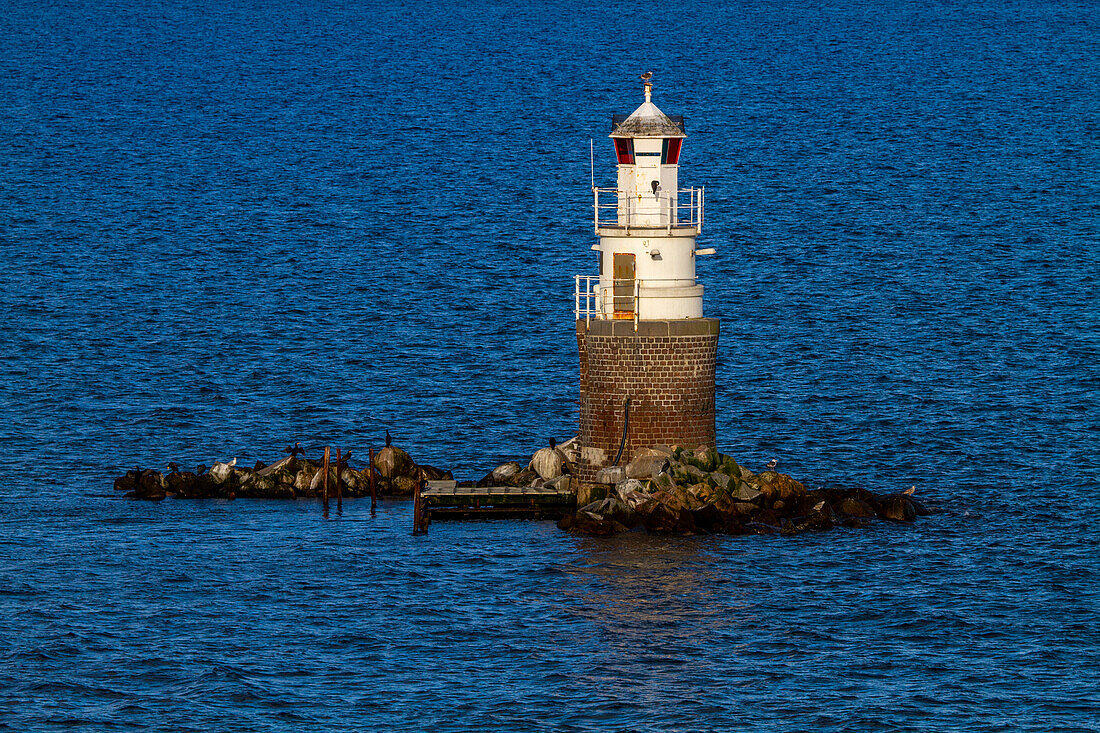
295 450
772 464
388 439
173 467
553 442
346 458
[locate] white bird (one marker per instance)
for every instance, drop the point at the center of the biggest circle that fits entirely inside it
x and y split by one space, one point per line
647 76
773 463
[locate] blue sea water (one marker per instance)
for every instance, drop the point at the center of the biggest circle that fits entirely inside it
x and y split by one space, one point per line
231 225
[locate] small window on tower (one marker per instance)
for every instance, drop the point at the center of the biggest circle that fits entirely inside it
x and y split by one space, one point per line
624 149
670 150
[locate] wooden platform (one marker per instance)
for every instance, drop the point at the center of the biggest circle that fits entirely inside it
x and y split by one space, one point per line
447 500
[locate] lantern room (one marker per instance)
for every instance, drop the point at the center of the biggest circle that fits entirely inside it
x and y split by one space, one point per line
647 147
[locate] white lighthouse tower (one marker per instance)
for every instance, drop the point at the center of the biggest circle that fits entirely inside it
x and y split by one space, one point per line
646 225
647 354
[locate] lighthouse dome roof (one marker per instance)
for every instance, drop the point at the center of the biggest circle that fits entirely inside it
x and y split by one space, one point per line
647 121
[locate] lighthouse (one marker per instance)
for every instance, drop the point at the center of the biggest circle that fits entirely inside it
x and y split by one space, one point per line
647 354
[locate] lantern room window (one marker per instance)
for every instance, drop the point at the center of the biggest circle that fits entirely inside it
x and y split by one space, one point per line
624 150
670 150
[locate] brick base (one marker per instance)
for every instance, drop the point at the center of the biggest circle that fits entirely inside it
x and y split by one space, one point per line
667 370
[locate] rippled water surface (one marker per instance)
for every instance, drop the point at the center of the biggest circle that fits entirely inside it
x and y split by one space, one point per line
229 226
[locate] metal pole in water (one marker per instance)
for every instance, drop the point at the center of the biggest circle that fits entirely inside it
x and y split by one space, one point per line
324 480
339 485
416 508
373 493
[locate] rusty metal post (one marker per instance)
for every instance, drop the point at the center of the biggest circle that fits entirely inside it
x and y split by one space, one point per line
416 509
339 484
324 479
373 492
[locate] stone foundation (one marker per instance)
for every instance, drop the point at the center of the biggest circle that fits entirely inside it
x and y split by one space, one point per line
666 368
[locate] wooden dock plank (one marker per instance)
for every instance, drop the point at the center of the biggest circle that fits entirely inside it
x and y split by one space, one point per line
447 500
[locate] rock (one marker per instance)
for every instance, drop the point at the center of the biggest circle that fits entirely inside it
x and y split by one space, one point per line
854 507
501 475
290 463
709 518
745 492
589 493
647 464
220 472
610 475
303 480
403 486
616 510
392 462
561 483
721 480
897 508
430 473
149 485
706 458
595 524
632 492
779 486
571 449
549 463
526 477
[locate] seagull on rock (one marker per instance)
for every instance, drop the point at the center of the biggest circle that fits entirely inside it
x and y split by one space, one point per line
772 464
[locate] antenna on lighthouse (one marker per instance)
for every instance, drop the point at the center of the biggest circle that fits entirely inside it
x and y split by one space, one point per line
592 162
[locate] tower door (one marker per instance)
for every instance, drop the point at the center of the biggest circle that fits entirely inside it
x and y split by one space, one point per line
623 272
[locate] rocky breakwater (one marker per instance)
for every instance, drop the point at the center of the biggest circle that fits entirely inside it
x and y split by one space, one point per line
674 490
293 477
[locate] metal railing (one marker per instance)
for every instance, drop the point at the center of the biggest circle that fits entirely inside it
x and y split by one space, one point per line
592 297
615 210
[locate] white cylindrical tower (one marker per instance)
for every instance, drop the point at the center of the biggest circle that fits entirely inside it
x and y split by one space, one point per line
647 225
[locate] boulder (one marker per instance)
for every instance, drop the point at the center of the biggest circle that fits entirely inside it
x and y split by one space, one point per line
632 492
392 462
221 472
589 493
571 449
647 464
854 507
706 458
501 475
430 473
615 510
709 518
746 492
403 486
288 464
549 463
610 475
147 485
897 508
561 483
526 477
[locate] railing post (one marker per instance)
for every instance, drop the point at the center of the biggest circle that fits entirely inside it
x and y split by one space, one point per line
699 228
637 300
577 298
